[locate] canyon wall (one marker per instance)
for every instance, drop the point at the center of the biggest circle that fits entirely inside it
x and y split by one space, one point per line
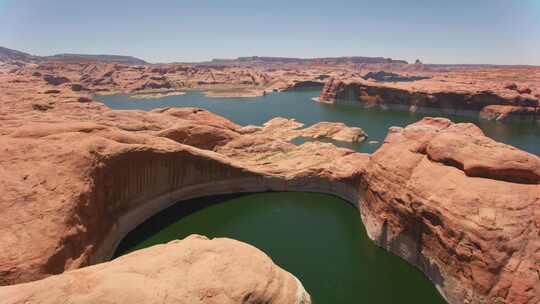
461 207
426 96
136 185
105 182
76 176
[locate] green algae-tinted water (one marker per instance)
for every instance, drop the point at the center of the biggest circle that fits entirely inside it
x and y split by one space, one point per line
299 105
317 237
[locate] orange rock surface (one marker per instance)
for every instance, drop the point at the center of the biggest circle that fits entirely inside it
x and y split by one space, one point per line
193 270
481 92
459 206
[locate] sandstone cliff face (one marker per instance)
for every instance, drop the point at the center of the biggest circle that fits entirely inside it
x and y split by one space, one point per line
461 207
193 270
85 183
303 84
488 100
96 183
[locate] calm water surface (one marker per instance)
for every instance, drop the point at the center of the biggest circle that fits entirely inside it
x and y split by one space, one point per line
299 105
317 237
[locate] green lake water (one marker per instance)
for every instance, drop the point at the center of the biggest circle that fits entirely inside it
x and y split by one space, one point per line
317 237
299 105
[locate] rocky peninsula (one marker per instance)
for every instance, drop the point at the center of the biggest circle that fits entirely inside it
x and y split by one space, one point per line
76 177
492 94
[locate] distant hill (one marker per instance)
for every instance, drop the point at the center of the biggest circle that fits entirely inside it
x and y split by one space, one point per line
102 58
14 56
9 55
253 60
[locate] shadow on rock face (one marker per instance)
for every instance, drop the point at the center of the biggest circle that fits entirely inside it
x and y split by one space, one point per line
383 76
408 245
167 217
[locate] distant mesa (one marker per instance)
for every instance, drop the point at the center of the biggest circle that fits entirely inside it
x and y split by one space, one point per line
14 57
102 58
9 55
17 57
257 60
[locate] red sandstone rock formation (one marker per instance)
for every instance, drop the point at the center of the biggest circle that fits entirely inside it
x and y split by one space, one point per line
55 80
280 128
75 177
466 93
193 270
505 113
461 207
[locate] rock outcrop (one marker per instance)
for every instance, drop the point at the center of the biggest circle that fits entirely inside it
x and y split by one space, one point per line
461 207
288 129
55 80
306 84
336 131
509 113
193 270
520 90
390 77
484 96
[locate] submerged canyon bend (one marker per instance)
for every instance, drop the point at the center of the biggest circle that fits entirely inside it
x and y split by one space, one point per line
299 104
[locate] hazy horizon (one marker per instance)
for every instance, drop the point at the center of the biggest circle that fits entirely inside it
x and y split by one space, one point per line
440 32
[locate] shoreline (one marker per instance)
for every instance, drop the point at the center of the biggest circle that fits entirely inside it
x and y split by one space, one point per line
431 110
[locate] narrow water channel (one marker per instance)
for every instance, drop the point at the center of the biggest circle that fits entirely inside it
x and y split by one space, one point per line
317 237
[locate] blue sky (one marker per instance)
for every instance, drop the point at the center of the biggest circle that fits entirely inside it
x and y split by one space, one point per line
436 31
